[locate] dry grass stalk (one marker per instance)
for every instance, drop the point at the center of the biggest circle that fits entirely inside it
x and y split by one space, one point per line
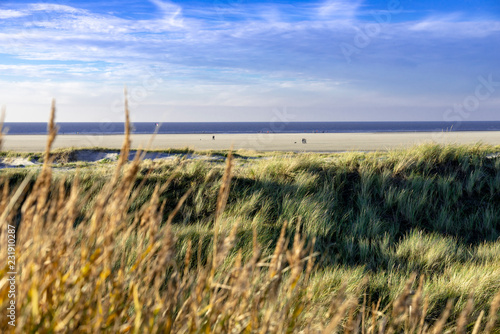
439 325
462 319
221 204
52 132
225 187
493 313
2 120
477 324
124 152
415 315
340 311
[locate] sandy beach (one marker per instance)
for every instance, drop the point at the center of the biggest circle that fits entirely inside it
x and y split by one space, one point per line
315 142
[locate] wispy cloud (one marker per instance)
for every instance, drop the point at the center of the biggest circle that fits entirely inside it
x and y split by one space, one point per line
251 54
9 14
47 7
338 8
451 26
172 13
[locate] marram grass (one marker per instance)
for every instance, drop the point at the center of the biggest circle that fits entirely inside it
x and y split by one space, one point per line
398 242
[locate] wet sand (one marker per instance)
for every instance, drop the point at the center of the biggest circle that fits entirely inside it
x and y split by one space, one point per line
315 142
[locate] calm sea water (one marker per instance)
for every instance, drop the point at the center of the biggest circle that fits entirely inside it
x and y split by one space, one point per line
253 127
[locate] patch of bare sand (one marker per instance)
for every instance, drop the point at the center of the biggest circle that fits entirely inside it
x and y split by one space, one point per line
315 142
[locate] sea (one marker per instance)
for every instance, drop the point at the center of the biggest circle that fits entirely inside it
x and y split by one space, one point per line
29 128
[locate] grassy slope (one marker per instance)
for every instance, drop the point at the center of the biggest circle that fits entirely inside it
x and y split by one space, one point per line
432 210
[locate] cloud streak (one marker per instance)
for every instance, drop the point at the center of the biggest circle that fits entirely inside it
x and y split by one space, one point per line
265 51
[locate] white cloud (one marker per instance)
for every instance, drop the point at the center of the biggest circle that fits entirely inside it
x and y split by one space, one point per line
459 29
338 8
52 72
55 8
9 14
172 13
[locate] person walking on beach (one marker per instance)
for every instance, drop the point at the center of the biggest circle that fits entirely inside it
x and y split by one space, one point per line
213 137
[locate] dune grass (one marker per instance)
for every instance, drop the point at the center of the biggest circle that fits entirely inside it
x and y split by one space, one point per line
401 241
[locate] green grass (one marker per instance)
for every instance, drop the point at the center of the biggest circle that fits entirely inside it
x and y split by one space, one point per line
433 210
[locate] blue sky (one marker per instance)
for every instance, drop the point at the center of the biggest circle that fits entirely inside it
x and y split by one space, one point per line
238 60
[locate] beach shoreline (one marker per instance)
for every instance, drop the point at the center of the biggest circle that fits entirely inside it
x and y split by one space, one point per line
285 142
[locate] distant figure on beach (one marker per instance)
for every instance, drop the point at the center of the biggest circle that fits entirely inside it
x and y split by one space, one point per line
304 141
213 137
